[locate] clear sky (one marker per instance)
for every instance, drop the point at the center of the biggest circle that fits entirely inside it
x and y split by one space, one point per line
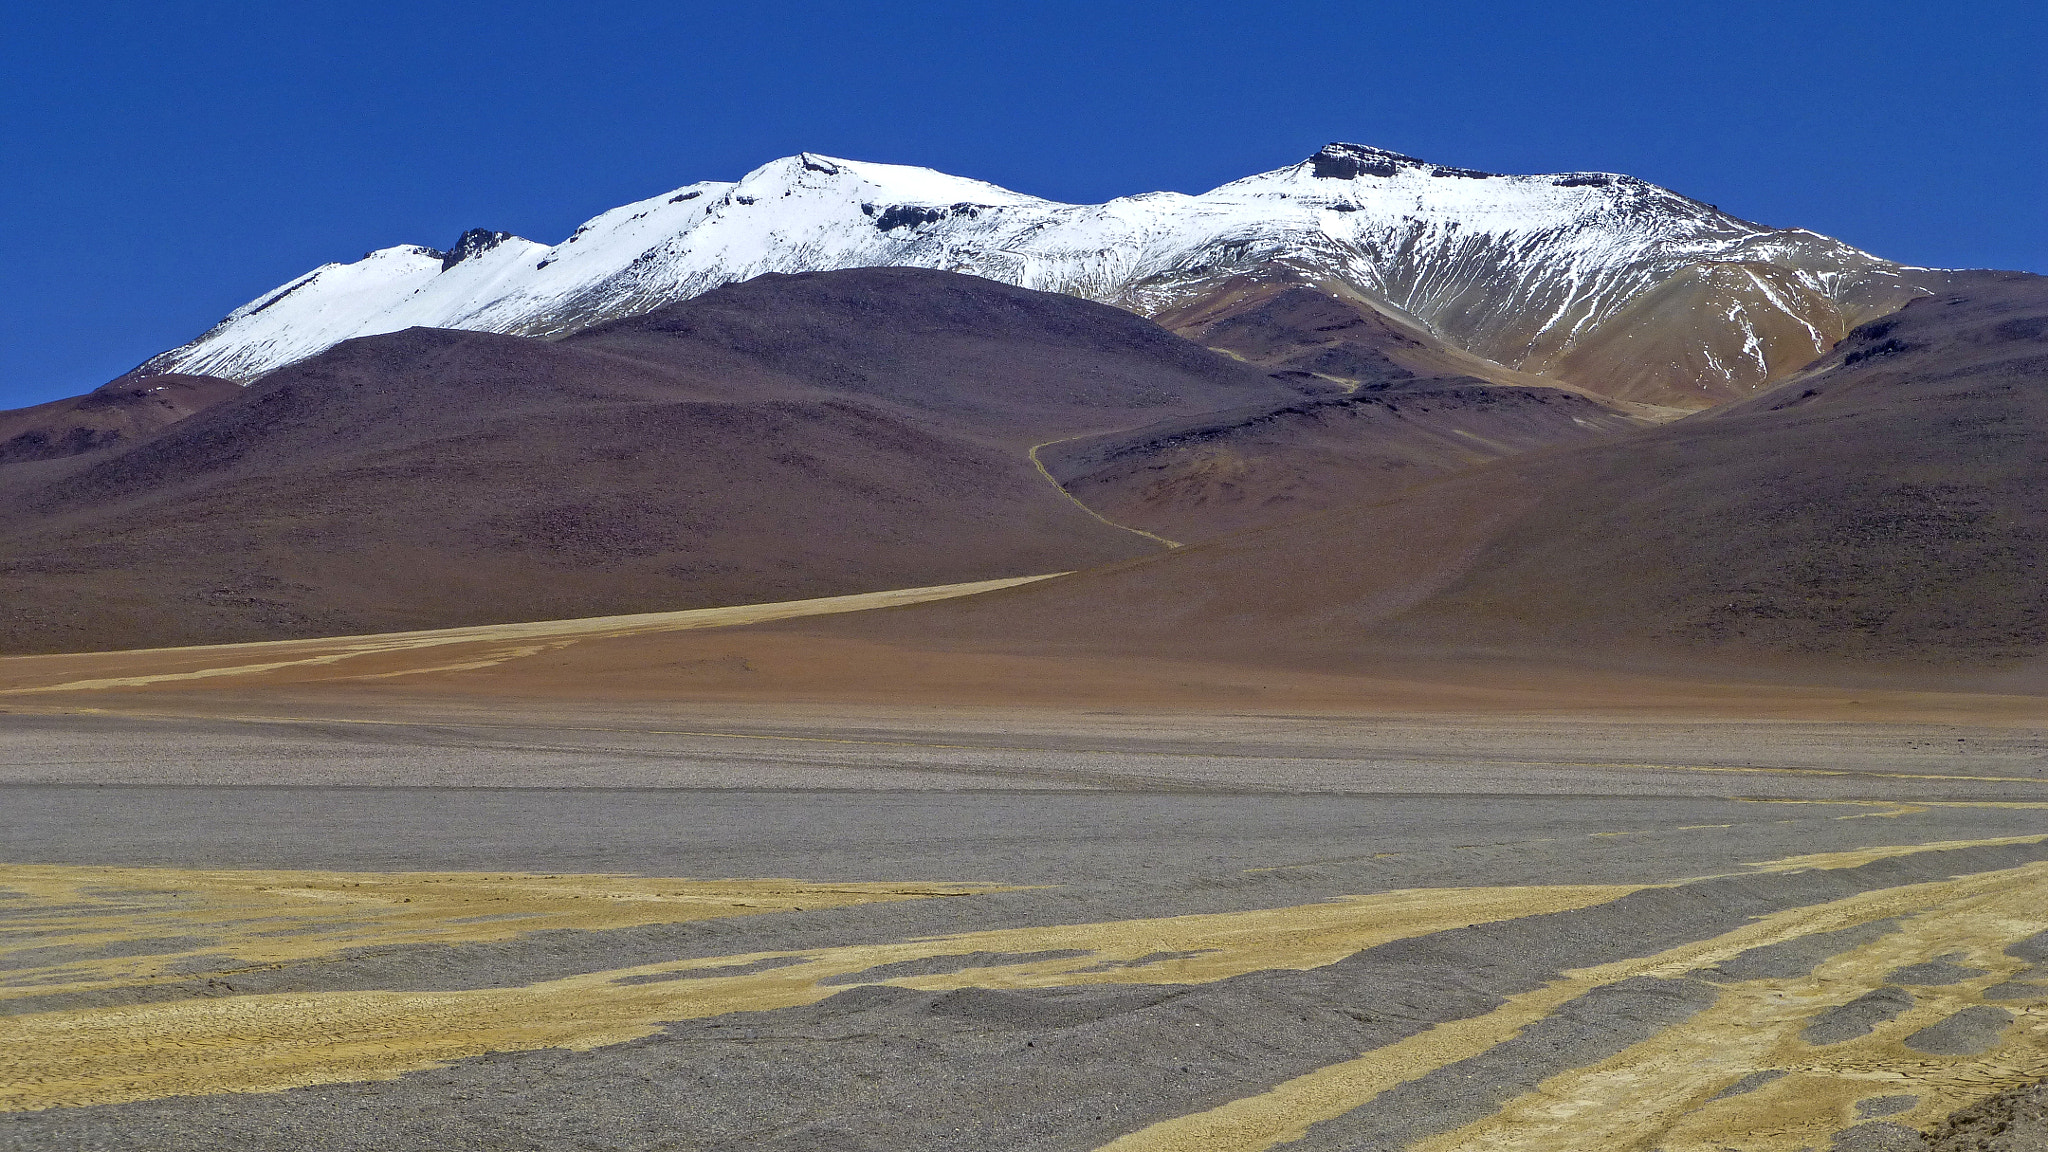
161 163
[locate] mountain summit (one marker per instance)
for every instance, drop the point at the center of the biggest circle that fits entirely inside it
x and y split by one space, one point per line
1601 280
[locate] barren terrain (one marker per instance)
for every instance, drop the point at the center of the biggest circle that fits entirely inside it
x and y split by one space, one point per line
458 890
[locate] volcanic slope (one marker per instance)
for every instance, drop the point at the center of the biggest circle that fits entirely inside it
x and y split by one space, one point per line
1287 321
1196 478
1887 508
1414 408
122 412
785 438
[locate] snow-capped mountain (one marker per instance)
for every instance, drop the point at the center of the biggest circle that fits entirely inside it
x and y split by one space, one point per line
1605 280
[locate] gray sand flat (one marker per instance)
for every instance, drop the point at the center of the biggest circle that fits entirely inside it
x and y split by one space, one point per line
768 965
1796 957
1934 973
1974 1029
45 957
2018 990
758 747
1584 1031
1109 856
944 965
1878 1136
1056 1069
2034 948
1875 1106
1858 1017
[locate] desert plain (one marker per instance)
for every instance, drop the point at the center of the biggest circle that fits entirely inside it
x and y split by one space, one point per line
455 890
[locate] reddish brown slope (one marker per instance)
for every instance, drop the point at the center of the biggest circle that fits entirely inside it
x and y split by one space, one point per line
121 412
1412 409
1284 322
1008 363
1192 479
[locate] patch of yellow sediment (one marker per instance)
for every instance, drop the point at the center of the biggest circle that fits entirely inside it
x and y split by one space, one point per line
1232 943
62 919
1585 1109
1908 808
1857 857
1662 1092
267 1042
483 645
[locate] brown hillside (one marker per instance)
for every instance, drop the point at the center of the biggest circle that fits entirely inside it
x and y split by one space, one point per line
1192 479
121 412
1887 507
785 438
1414 408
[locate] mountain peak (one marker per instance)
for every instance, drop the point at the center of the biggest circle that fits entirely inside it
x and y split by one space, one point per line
865 181
474 242
1341 161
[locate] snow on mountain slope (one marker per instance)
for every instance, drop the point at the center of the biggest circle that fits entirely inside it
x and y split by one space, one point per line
1604 280
386 291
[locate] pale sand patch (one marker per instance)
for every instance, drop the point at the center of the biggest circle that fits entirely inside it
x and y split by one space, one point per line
502 642
1860 773
1857 857
1908 808
276 917
263 1043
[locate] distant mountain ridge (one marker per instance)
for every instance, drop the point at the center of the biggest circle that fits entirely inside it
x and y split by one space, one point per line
1605 281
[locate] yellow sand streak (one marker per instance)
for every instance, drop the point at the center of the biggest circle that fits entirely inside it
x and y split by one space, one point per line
1232 943
267 1042
503 641
1858 857
1660 1092
1906 808
265 918
1286 1112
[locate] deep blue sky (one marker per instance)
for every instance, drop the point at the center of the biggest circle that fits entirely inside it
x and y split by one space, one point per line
161 163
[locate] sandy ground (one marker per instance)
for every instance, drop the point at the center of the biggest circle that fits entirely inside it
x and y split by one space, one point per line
283 905
843 651
1018 930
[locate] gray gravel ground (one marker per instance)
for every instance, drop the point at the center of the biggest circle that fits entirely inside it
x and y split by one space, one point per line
1116 823
1858 1017
759 747
2015 1121
1968 1032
